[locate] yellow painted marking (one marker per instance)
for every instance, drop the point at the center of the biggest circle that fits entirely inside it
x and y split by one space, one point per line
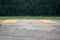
14 21
9 21
48 21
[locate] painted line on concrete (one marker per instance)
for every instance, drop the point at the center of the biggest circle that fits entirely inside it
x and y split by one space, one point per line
9 21
44 21
48 21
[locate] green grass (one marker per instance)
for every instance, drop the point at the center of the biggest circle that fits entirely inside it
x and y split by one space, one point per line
29 17
0 25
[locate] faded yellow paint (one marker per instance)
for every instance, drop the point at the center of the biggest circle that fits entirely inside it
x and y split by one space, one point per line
14 21
48 21
9 21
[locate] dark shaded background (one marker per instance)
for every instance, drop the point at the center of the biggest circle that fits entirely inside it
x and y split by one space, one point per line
29 7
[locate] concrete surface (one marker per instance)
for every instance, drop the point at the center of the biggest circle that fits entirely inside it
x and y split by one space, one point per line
33 30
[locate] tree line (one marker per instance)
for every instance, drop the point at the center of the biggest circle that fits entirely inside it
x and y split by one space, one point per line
29 7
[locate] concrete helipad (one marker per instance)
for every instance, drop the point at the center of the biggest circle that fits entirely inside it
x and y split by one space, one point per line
29 29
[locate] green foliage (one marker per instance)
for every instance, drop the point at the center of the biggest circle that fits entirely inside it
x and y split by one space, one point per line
29 7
